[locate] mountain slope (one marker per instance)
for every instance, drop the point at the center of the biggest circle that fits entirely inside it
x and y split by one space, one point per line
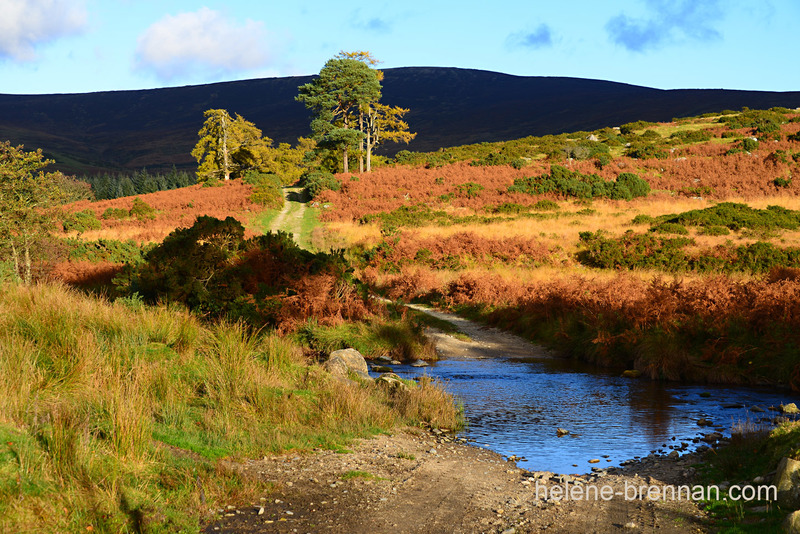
157 128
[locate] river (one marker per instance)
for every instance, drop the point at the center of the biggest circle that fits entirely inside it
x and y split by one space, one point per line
514 405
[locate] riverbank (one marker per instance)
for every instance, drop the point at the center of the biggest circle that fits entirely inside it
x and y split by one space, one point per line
418 481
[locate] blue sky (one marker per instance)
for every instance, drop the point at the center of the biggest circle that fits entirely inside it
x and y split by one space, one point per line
71 46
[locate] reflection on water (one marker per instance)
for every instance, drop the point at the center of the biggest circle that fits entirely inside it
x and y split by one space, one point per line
514 407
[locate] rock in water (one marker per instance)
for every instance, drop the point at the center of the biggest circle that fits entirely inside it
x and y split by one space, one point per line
382 369
561 432
419 363
790 408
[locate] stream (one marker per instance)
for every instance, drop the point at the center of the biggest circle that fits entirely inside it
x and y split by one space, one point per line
513 406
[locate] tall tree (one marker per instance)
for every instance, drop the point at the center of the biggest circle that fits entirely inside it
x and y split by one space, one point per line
27 196
385 123
344 88
228 147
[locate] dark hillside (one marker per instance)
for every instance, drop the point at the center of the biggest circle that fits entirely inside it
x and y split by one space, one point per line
158 128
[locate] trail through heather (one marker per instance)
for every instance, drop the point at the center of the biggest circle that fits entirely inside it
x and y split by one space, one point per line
290 218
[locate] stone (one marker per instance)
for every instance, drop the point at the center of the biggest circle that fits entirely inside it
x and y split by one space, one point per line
631 373
382 369
787 481
790 408
561 432
352 358
792 523
391 381
704 422
419 363
336 366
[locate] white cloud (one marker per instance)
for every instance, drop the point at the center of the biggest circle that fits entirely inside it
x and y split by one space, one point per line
24 24
202 44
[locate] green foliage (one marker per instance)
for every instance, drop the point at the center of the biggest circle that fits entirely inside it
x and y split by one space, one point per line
631 127
574 184
115 213
782 182
647 151
267 189
492 159
648 251
81 221
142 210
691 136
670 228
28 196
107 250
736 216
109 186
316 182
714 230
761 121
469 190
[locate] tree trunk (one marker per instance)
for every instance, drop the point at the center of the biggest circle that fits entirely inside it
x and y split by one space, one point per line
26 251
361 143
225 168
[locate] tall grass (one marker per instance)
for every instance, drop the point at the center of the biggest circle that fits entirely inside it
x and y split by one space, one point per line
113 416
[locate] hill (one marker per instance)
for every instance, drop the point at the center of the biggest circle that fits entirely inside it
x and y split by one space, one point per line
127 130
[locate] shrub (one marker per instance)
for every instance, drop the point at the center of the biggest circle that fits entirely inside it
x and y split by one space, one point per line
267 189
115 213
316 182
714 230
631 127
545 205
469 190
670 228
637 186
81 221
142 210
782 182
492 159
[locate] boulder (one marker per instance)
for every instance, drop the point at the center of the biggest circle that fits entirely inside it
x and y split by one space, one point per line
792 523
419 363
787 481
382 369
336 366
790 408
352 358
631 373
391 381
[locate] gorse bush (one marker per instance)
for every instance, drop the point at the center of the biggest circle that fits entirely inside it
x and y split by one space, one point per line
574 184
81 221
267 189
316 182
648 251
142 210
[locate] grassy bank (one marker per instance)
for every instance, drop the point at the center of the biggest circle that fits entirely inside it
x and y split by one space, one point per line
754 452
117 417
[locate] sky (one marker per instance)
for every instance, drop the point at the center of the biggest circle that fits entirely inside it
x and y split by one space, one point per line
80 46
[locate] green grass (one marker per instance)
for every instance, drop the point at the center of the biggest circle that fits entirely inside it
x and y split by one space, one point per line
349 475
262 221
753 452
114 416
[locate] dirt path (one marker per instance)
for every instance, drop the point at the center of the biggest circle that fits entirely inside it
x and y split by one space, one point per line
420 481
291 215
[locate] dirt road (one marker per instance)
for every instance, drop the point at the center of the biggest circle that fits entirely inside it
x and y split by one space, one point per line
424 481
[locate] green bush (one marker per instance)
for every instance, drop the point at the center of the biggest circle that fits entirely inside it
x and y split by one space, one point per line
469 190
142 210
631 127
267 189
714 230
782 182
81 221
107 250
115 213
545 205
316 182
492 159
736 216
585 186
670 228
